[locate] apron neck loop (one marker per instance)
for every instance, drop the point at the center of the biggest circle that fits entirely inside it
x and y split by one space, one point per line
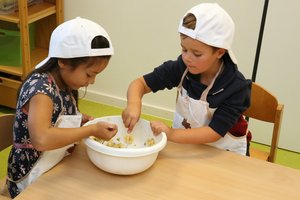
205 92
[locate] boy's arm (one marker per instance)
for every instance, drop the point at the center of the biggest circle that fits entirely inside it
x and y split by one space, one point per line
199 135
135 93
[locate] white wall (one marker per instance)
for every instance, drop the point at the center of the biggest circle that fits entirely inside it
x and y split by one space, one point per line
144 34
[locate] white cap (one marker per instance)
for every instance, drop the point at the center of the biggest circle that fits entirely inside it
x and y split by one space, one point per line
73 39
214 27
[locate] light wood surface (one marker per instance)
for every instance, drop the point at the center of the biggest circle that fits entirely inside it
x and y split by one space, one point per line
180 172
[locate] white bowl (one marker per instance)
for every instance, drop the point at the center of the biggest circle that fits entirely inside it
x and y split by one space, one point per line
133 158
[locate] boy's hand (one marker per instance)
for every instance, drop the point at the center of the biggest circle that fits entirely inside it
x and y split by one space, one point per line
157 127
131 116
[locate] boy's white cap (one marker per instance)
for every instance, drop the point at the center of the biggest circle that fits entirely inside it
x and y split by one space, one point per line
73 39
214 27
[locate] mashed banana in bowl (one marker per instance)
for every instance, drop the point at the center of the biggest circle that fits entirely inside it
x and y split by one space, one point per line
138 149
128 140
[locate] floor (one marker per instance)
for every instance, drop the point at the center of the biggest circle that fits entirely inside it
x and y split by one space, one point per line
284 157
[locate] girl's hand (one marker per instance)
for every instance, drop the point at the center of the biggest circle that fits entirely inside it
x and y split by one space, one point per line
157 127
105 130
86 118
131 116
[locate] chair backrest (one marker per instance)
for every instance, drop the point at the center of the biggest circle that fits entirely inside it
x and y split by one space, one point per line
6 130
264 106
6 140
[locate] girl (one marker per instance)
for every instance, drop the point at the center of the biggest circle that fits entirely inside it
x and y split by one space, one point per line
212 93
47 121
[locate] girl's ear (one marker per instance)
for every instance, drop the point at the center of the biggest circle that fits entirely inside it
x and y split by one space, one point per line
220 52
61 64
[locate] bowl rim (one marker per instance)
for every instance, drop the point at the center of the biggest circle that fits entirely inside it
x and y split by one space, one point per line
125 152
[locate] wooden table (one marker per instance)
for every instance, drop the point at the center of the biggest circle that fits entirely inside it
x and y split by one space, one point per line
180 172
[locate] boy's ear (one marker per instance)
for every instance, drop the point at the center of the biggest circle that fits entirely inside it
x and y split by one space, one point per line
220 52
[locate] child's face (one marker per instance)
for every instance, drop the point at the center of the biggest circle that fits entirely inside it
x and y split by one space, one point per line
199 57
83 75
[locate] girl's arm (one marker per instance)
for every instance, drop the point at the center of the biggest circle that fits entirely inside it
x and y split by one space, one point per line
135 93
199 135
45 137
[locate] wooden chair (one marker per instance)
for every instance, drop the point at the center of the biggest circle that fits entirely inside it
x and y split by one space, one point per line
265 107
6 140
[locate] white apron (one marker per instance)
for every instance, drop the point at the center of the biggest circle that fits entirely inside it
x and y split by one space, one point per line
49 159
191 113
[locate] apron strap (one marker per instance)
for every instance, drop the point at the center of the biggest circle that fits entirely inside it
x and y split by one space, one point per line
180 84
63 110
205 92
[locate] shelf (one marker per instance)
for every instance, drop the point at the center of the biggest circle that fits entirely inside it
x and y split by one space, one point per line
8 89
35 12
37 55
17 71
46 16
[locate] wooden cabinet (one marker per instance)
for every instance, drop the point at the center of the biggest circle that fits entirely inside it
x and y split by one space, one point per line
46 16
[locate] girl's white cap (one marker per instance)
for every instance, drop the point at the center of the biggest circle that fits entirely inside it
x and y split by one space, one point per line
214 27
73 39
